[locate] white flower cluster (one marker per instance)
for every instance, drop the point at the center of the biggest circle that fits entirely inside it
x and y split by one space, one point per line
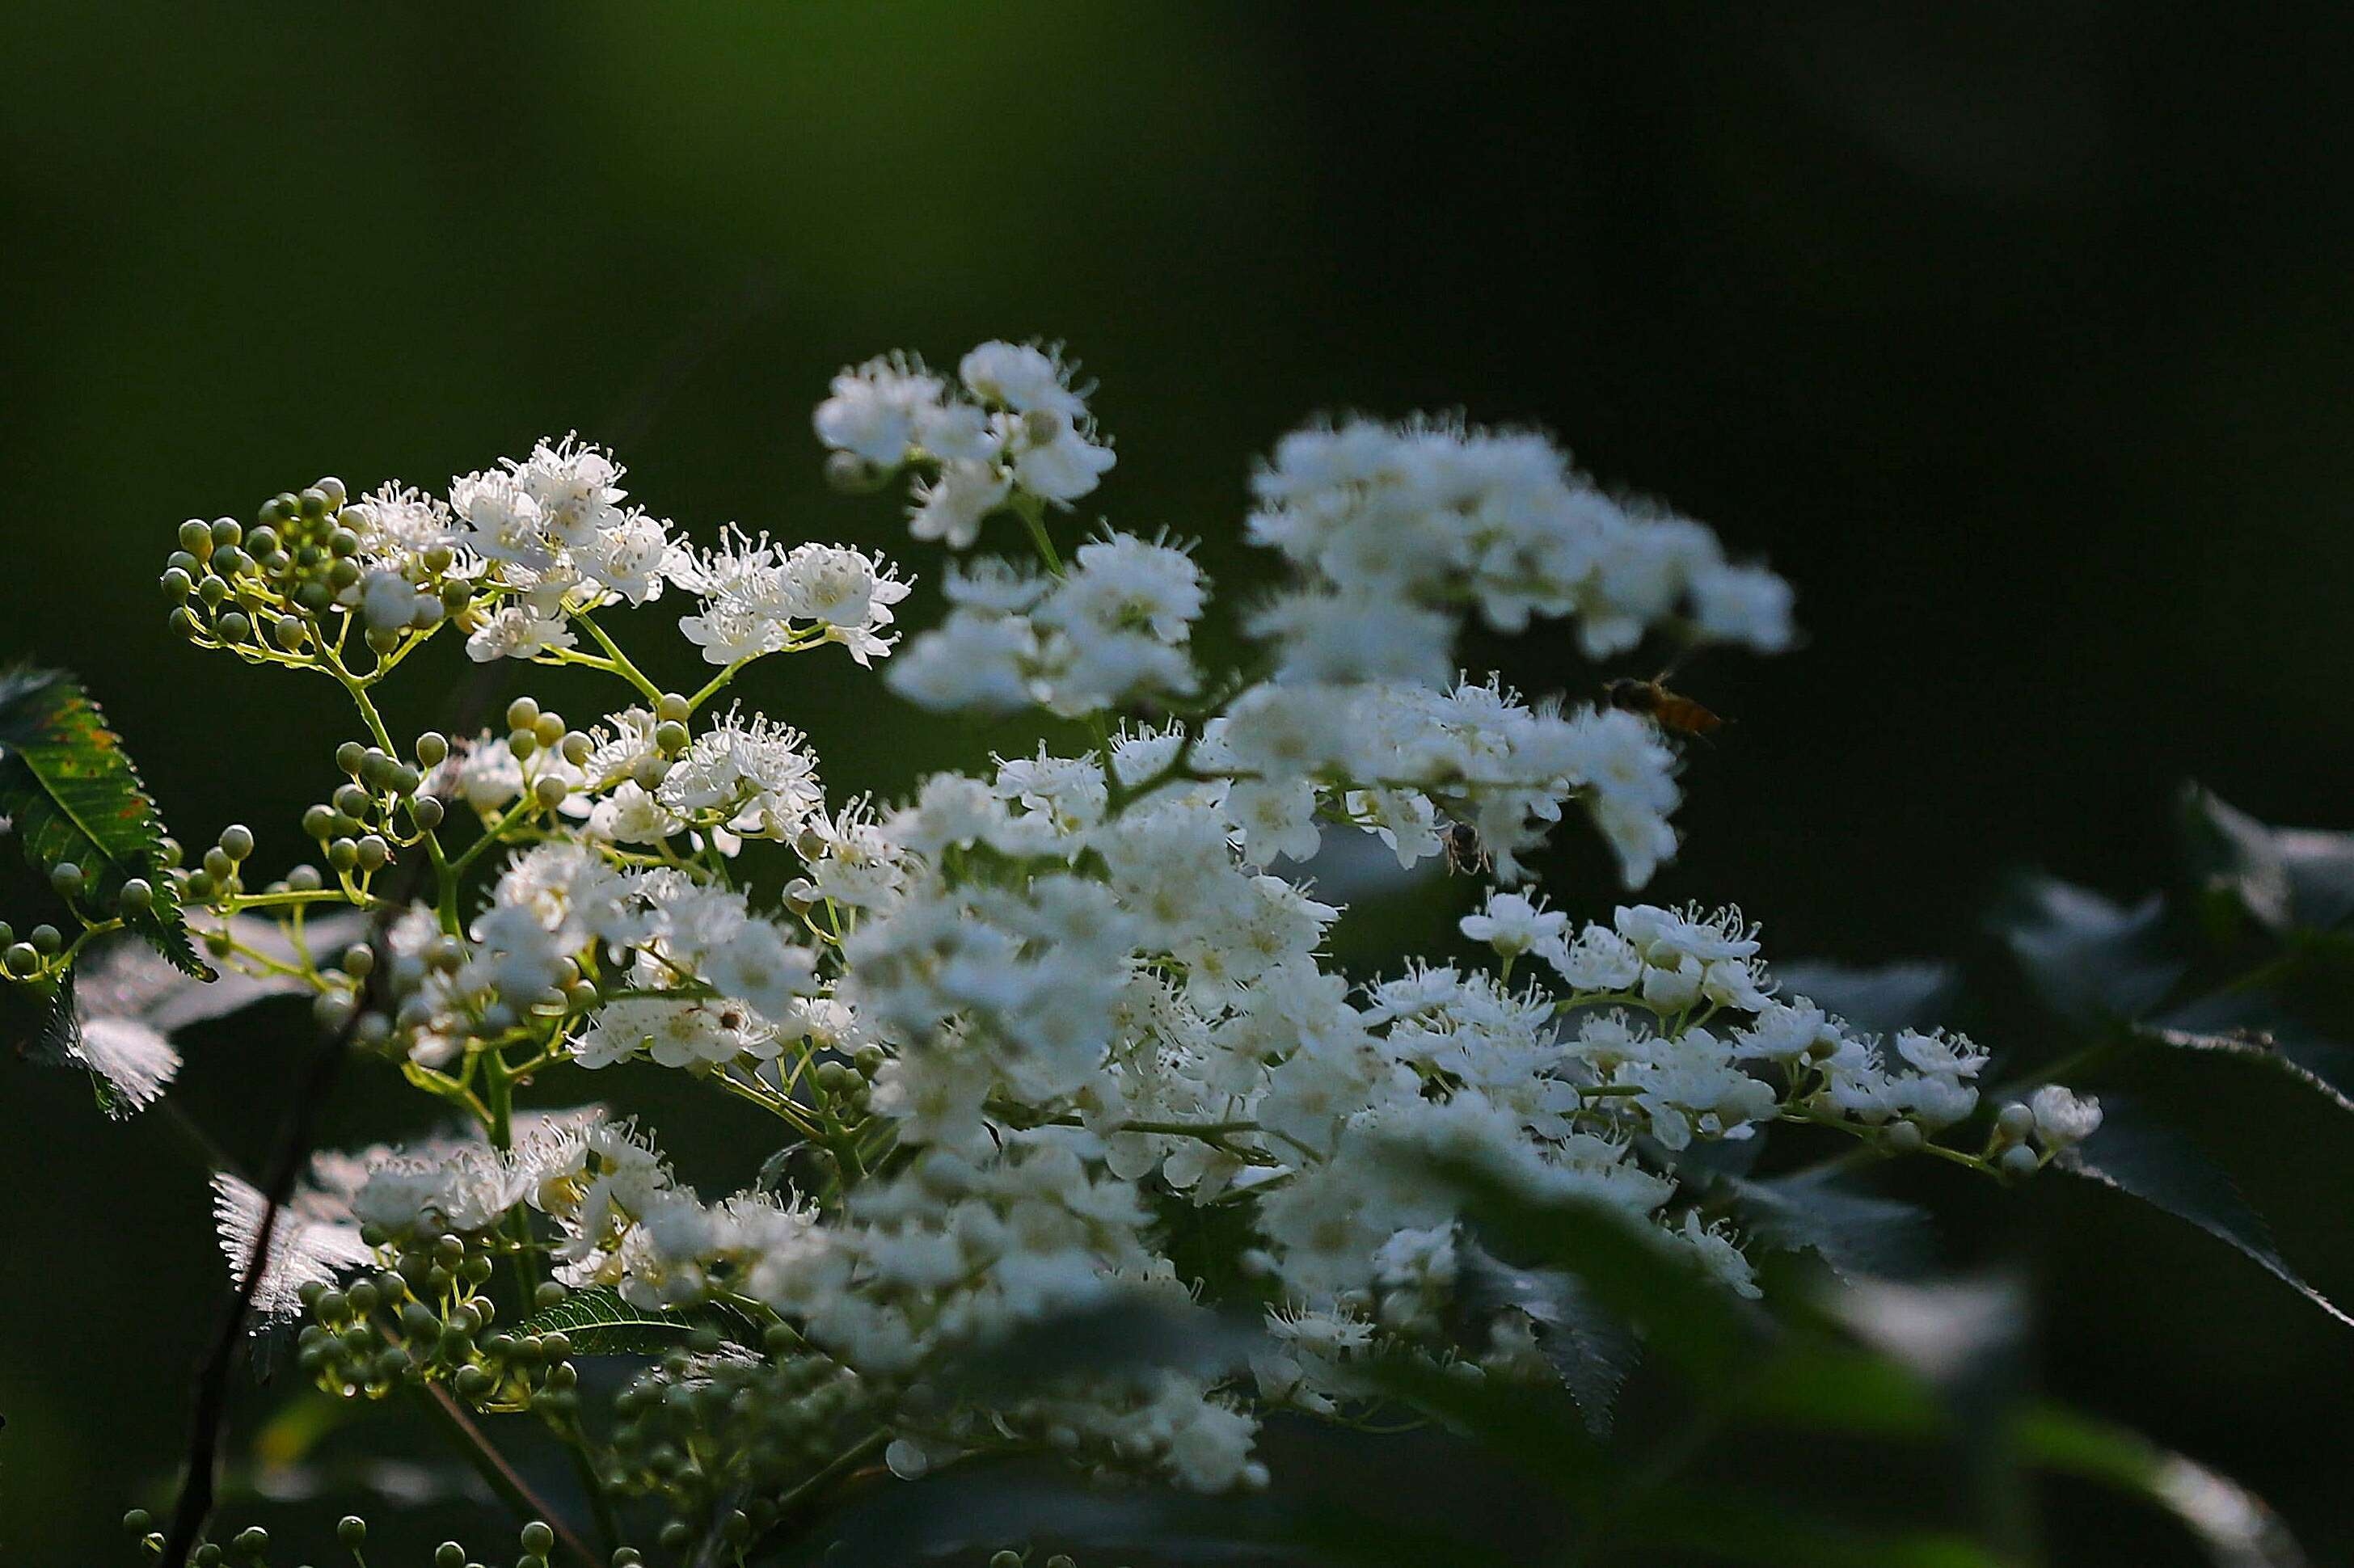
1008 1026
1011 431
1111 630
1395 527
520 552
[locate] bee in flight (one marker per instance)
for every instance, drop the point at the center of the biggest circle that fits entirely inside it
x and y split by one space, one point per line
1671 711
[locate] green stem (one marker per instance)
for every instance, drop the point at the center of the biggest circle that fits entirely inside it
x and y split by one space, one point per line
622 666
711 688
492 1466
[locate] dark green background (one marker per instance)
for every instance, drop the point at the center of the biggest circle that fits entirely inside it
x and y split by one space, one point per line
2016 335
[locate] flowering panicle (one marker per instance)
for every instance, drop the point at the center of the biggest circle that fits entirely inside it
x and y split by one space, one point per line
1009 1025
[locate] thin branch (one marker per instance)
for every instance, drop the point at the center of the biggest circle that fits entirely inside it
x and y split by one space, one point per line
197 1489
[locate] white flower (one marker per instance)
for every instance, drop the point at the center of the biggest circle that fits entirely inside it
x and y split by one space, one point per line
517 633
1514 924
1055 460
874 407
2062 1118
1022 378
1747 605
950 508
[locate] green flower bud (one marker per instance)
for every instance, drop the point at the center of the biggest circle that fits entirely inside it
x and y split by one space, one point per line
252 1541
290 631
208 1555
675 1535
671 708
318 822
549 1294
234 626
473 1383
351 800
648 771
181 561
218 865
672 736
46 938
1005 1560
550 790
67 878
231 562
281 507
1904 1138
344 854
177 585
404 780
312 502
374 851
183 621
548 728
136 896
218 943
314 597
2014 1121
342 575
196 538
522 743
349 755
2019 1161
522 714
343 542
432 749
333 490
351 1531
537 1537
383 639
574 747
226 533
426 812
262 540
456 595
556 1343
212 590
439 558
138 1522
305 878
449 1554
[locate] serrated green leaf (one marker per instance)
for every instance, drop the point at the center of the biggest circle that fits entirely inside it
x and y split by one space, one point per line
2234 1525
599 1323
2283 876
2251 1047
37 1019
70 789
1626 1265
2087 958
1880 999
2228 854
1592 1351
2157 1165
1858 1233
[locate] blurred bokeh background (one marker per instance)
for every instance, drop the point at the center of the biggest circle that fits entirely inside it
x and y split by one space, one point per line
2016 335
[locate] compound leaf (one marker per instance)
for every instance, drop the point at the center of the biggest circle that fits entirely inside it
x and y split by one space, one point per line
70 790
